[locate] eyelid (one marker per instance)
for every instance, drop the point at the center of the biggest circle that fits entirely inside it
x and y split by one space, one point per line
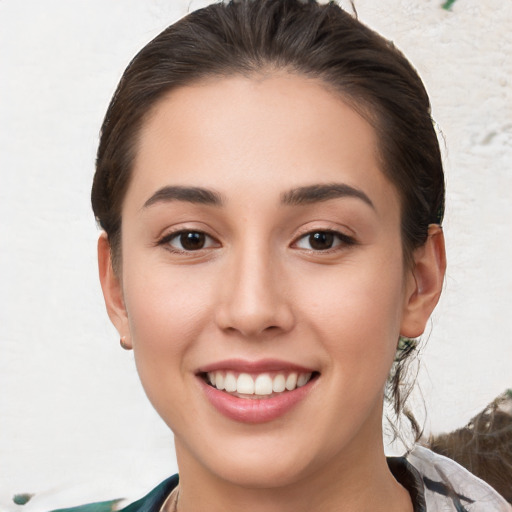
165 240
344 239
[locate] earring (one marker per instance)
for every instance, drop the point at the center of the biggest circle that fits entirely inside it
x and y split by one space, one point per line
405 346
123 343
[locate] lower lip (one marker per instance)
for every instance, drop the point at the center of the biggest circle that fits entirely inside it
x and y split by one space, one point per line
248 410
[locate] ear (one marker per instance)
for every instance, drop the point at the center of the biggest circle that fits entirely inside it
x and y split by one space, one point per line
424 283
112 291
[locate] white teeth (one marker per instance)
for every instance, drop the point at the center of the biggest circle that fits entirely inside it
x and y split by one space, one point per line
260 385
219 380
279 383
303 379
291 381
245 384
230 382
263 384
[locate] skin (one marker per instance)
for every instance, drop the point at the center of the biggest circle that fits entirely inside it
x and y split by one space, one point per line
258 290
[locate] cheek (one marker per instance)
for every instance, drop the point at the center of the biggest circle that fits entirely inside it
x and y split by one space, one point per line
356 310
167 312
167 308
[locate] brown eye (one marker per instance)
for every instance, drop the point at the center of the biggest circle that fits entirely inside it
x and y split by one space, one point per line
185 241
192 241
323 240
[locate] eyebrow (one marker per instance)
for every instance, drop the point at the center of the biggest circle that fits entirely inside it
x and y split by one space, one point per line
197 195
323 192
294 197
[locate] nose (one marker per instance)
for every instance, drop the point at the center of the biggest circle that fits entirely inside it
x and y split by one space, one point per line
254 300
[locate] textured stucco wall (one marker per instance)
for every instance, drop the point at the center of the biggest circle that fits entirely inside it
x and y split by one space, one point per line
71 408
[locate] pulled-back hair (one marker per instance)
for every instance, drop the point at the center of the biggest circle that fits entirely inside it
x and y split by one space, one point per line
249 37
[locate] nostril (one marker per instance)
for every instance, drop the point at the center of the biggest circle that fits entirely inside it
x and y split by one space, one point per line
253 316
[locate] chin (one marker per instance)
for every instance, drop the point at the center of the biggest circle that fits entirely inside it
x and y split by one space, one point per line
262 474
257 461
278 460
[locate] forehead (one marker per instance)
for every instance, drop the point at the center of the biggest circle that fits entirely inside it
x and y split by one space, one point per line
260 135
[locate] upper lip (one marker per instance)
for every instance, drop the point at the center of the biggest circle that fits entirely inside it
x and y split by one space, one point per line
259 366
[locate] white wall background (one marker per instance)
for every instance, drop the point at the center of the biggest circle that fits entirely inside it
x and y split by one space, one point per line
71 410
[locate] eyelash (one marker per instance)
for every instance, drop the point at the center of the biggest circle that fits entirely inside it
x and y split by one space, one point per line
342 239
166 240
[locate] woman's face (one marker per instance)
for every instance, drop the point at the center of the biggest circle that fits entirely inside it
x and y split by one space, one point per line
261 246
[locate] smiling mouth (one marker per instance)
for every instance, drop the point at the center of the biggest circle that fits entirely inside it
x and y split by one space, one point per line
259 385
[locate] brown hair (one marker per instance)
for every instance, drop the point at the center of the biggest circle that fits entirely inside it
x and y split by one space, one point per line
303 37
484 445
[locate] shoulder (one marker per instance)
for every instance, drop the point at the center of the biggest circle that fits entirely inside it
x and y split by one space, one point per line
154 500
448 484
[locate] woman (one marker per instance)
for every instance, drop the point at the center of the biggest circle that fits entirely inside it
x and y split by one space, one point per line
271 192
